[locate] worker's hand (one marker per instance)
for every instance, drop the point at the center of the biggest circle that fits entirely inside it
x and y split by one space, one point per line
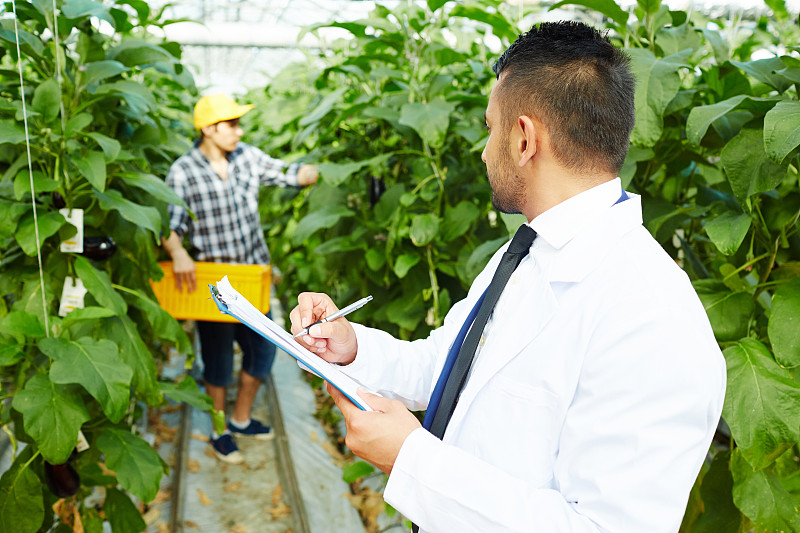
184 270
307 175
375 436
334 341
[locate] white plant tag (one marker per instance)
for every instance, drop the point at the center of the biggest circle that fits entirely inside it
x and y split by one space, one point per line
71 296
75 243
83 444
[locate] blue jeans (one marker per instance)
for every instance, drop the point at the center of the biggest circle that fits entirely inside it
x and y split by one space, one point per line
216 346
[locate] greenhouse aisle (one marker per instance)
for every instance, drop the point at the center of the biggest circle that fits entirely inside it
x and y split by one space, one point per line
288 484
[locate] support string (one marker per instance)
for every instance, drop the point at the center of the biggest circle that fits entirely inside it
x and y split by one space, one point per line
30 171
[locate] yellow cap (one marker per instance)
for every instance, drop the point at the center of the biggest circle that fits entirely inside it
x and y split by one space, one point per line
214 108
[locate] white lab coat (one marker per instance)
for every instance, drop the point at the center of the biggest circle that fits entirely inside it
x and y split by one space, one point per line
591 403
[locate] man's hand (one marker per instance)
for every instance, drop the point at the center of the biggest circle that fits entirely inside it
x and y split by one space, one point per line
333 341
307 175
183 267
375 436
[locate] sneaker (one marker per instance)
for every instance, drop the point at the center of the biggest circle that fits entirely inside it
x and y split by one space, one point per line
226 450
255 429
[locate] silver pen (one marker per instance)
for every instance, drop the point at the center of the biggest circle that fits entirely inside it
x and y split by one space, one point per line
338 314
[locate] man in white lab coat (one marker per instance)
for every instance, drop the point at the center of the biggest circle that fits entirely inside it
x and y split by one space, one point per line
597 384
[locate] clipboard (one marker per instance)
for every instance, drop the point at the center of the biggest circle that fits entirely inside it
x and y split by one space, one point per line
234 304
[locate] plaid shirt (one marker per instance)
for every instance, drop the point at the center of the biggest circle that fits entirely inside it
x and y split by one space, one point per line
228 225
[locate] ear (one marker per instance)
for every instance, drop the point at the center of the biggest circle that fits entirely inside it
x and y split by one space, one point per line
208 130
526 142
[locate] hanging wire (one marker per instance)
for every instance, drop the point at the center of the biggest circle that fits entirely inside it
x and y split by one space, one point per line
30 171
59 69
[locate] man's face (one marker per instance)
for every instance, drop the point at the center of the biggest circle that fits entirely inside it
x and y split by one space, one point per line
226 134
508 189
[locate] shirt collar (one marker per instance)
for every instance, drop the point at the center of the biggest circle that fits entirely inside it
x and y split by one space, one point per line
559 224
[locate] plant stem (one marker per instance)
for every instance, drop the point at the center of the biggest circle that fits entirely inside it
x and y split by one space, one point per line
745 266
434 286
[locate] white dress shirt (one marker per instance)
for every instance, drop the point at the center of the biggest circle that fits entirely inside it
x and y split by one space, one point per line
594 398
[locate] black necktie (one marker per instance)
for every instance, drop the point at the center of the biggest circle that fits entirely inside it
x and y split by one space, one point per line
517 250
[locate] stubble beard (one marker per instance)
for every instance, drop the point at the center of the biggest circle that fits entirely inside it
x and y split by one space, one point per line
508 191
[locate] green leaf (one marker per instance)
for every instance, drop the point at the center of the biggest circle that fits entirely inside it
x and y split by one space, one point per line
355 471
99 286
144 216
134 352
375 259
77 123
132 52
782 130
760 496
764 71
49 223
21 501
53 414
481 254
324 107
429 120
728 230
728 312
501 27
458 219
137 465
326 217
19 324
152 185
784 324
41 183
109 146
81 8
672 40
424 228
164 326
92 166
11 132
86 313
719 511
187 392
433 5
404 263
11 353
657 83
761 403
701 117
122 514
748 167
47 99
95 365
336 174
609 8
100 70
719 45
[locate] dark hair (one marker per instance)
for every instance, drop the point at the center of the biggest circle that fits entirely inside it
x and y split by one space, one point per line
571 77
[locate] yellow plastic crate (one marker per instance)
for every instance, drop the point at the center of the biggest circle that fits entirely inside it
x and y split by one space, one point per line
251 281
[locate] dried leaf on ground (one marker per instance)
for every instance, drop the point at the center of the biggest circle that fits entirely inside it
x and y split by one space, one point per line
205 500
314 437
232 487
162 527
201 438
151 515
193 465
281 510
238 528
277 494
163 495
189 523
332 451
